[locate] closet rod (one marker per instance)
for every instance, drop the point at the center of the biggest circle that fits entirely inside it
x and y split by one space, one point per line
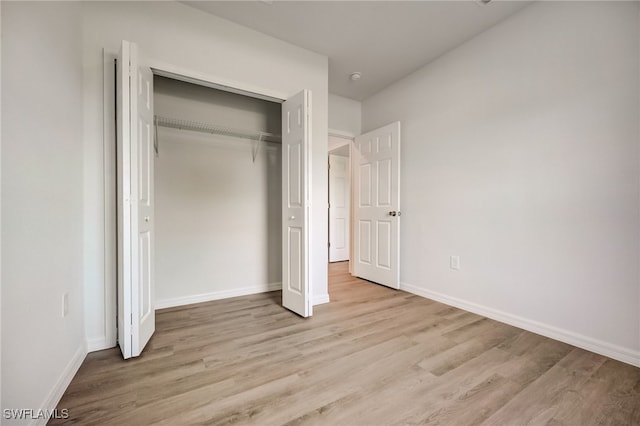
215 129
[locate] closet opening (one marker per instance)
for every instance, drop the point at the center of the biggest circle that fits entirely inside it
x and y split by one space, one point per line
233 190
218 193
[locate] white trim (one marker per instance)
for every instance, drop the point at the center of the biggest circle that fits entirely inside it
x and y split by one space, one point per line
55 395
164 68
610 350
341 134
322 299
216 295
110 258
210 84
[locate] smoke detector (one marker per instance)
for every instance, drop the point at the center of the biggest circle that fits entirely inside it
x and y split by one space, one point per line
355 76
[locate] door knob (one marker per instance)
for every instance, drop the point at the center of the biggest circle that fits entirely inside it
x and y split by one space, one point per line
392 213
292 218
146 219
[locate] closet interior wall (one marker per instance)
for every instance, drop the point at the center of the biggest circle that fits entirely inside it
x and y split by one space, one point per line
218 212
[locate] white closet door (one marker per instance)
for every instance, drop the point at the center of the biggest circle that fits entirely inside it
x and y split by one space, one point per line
135 161
377 206
339 217
296 128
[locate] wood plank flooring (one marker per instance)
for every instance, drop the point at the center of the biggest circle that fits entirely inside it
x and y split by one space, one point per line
373 356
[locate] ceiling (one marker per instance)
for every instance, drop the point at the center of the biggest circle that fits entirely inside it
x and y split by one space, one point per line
384 40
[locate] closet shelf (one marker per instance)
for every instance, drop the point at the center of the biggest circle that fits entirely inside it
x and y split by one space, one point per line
215 129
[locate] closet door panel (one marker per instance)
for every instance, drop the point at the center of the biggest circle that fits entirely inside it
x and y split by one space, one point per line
123 166
295 206
135 164
144 310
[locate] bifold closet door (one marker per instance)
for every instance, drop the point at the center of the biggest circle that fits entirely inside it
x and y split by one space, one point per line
296 128
135 161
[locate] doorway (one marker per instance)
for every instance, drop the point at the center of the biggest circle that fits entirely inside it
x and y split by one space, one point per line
339 199
374 204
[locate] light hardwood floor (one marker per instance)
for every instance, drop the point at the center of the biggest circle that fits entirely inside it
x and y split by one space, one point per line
373 356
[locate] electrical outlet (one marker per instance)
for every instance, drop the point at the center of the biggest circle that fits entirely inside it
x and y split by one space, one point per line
65 304
454 263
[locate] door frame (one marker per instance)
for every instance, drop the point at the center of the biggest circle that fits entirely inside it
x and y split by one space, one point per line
165 69
352 140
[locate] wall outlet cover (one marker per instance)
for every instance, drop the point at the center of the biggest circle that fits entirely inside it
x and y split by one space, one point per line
454 263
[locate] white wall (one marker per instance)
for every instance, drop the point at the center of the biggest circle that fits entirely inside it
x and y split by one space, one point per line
178 99
212 48
521 155
345 115
218 214
41 202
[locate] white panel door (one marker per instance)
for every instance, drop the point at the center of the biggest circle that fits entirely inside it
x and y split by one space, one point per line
296 130
377 206
135 161
339 196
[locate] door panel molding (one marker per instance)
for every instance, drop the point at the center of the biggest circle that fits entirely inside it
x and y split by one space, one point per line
376 155
135 202
296 137
339 208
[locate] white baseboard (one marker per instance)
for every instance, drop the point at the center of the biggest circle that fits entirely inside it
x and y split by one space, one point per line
98 344
216 295
55 395
319 300
610 350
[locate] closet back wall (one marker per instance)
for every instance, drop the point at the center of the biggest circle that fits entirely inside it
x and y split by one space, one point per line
218 214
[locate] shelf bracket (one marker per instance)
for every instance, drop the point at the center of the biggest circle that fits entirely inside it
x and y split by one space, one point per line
256 146
156 145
